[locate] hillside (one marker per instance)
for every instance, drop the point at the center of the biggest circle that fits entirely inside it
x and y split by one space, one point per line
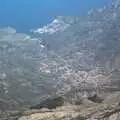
76 57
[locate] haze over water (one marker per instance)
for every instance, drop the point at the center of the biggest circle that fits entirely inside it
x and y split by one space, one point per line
28 14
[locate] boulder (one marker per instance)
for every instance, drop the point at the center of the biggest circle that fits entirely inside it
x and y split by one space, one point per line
95 98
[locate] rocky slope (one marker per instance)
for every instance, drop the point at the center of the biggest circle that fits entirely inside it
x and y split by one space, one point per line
87 52
109 109
20 76
77 57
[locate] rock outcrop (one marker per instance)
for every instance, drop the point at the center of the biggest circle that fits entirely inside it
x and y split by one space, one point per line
50 103
102 111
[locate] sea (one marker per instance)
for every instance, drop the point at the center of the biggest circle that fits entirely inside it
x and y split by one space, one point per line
24 15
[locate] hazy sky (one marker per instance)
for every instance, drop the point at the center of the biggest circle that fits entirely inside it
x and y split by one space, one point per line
26 14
